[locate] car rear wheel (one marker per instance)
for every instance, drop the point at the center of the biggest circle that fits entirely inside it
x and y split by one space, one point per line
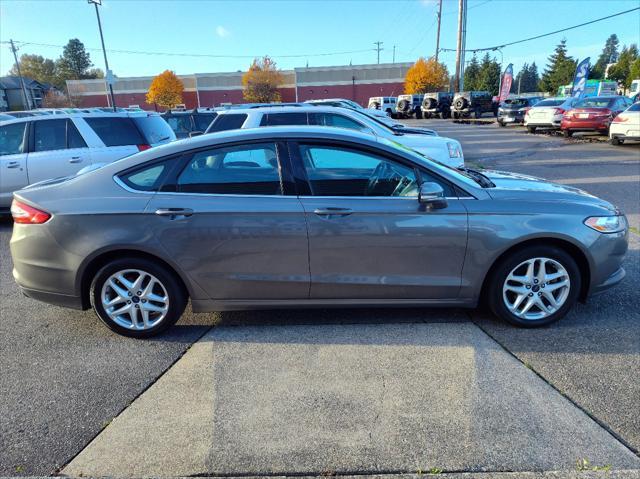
567 133
534 286
501 123
531 129
137 297
616 141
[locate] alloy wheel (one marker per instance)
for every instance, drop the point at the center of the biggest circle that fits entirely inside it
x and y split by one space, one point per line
134 299
536 288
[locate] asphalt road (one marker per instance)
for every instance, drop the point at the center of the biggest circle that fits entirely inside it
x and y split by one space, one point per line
64 376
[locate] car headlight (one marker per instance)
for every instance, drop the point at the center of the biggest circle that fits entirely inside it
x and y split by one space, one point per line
606 224
454 150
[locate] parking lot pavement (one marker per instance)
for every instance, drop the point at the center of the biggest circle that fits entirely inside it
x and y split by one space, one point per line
65 376
340 398
593 355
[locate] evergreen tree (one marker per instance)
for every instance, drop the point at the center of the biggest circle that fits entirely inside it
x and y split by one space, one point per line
489 77
621 71
609 55
74 62
526 81
560 69
472 75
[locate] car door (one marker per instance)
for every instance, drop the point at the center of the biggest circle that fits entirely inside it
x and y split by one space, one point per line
232 223
56 150
13 160
369 237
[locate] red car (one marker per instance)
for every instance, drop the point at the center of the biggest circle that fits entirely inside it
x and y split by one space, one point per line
593 114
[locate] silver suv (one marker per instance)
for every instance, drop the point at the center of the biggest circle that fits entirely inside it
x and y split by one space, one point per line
37 148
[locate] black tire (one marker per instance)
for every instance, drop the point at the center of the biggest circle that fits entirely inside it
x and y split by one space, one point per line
175 291
504 267
531 129
446 113
567 133
501 123
616 141
418 113
454 114
389 112
426 115
477 113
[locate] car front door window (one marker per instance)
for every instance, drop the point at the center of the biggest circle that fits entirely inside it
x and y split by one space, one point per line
334 171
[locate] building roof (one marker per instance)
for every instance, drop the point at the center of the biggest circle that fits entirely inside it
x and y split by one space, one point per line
13 82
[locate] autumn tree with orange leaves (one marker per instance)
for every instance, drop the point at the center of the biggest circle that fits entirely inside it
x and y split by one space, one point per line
261 82
426 76
166 90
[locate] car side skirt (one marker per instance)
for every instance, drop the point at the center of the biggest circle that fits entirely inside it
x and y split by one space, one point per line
210 305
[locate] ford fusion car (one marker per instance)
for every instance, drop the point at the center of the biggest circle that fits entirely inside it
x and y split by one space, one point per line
279 217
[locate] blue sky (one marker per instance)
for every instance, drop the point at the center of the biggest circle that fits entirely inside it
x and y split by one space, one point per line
279 28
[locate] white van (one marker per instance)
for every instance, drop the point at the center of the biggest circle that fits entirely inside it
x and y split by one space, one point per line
384 103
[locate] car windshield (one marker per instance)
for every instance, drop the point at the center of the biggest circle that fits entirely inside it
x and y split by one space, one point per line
595 103
551 102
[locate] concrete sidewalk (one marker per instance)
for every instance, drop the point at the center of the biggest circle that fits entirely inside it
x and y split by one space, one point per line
352 399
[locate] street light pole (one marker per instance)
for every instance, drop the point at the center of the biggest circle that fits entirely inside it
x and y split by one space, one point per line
104 51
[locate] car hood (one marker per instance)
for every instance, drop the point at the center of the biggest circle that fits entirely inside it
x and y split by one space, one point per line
514 186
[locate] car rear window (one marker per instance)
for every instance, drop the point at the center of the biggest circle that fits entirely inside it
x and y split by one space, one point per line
550 102
202 121
154 129
117 131
227 122
595 103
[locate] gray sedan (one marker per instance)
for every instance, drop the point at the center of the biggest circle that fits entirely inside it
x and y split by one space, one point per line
308 217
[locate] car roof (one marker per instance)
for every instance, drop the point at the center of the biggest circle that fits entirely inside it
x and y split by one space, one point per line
286 109
96 114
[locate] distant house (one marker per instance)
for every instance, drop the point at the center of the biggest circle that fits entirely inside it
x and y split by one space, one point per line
12 98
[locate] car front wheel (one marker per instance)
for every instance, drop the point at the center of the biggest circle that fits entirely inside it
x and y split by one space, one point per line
137 297
534 286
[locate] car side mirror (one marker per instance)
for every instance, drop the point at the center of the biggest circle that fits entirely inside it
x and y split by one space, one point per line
195 133
432 195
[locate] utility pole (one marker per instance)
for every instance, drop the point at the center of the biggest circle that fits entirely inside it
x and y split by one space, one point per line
438 35
108 74
27 103
459 46
379 49
394 54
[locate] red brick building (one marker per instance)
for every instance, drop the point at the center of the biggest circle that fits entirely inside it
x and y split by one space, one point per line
357 82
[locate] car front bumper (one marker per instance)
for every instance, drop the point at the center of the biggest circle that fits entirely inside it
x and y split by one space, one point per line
608 253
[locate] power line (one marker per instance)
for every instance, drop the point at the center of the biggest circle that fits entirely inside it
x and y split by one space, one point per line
544 34
199 55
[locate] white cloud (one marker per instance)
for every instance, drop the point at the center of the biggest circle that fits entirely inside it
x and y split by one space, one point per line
222 32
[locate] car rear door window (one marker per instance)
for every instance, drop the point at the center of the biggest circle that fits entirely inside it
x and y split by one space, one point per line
241 170
74 139
338 171
335 120
50 135
12 138
227 122
116 131
283 119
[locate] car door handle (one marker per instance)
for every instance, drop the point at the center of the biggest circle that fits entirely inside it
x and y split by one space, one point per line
174 213
75 159
13 164
331 211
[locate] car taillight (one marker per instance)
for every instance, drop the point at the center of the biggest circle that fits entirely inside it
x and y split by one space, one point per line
25 214
620 119
143 147
559 111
